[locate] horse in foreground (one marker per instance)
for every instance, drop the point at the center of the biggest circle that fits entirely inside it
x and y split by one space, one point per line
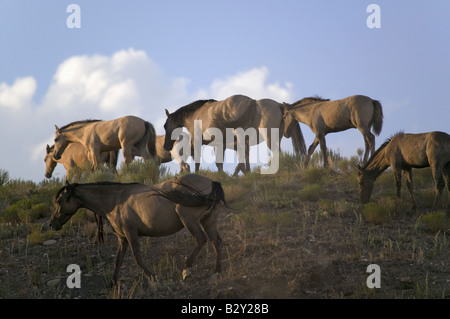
236 112
403 152
324 116
130 133
75 155
136 210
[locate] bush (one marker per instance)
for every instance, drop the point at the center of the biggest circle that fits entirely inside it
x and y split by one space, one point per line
436 222
311 193
375 213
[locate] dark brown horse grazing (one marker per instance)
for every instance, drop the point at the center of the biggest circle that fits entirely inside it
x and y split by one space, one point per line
136 210
75 155
403 152
324 116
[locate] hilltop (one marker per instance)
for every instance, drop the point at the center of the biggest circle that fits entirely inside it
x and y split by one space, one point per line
300 233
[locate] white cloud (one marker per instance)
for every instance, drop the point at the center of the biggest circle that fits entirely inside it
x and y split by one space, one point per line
105 87
251 83
19 95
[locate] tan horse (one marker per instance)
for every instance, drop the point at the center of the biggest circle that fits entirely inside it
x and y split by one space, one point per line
75 156
236 112
129 133
325 116
165 156
402 153
136 210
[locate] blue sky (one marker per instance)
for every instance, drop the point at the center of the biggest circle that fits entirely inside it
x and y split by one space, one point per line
143 56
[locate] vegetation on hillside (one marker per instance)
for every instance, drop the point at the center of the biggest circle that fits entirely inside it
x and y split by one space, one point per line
300 233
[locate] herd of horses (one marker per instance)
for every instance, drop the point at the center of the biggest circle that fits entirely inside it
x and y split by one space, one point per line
190 201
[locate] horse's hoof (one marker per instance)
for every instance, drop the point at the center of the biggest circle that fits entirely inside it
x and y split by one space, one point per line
186 273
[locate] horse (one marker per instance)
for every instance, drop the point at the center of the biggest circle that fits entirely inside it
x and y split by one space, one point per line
165 156
324 116
75 155
239 113
135 210
131 133
402 152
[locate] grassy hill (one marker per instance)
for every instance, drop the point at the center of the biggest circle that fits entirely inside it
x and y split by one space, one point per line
300 233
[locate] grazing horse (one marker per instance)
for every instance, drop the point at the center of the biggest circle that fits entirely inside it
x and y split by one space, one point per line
403 152
324 116
75 155
130 133
136 210
165 156
237 113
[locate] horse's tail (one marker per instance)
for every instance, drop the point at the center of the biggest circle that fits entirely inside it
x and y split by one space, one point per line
150 137
377 118
298 142
216 196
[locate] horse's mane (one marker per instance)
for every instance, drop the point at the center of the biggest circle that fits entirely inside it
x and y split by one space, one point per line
70 187
308 100
381 148
78 122
187 109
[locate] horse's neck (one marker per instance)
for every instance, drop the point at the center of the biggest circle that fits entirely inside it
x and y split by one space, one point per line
378 163
303 113
76 134
97 199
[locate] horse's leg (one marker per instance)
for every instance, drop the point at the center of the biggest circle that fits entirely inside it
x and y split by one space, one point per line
437 171
121 249
409 184
323 148
397 170
189 218
127 151
133 240
311 149
219 164
247 158
209 224
369 142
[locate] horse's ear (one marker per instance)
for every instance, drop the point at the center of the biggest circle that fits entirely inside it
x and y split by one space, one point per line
286 106
167 113
67 183
57 129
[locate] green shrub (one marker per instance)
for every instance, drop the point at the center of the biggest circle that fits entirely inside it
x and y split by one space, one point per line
312 193
139 171
436 222
375 213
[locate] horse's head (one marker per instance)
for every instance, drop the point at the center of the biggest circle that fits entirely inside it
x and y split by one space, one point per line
365 181
170 126
61 142
289 121
50 163
64 206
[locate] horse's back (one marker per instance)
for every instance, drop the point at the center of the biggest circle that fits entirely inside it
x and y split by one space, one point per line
234 109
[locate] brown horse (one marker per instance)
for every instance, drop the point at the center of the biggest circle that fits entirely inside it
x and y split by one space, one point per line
236 113
136 210
403 152
134 135
325 116
75 156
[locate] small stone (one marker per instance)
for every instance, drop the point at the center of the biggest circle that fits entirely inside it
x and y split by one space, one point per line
186 273
53 282
49 242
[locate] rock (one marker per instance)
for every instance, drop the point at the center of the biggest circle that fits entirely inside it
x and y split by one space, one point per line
186 273
49 242
53 282
214 278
